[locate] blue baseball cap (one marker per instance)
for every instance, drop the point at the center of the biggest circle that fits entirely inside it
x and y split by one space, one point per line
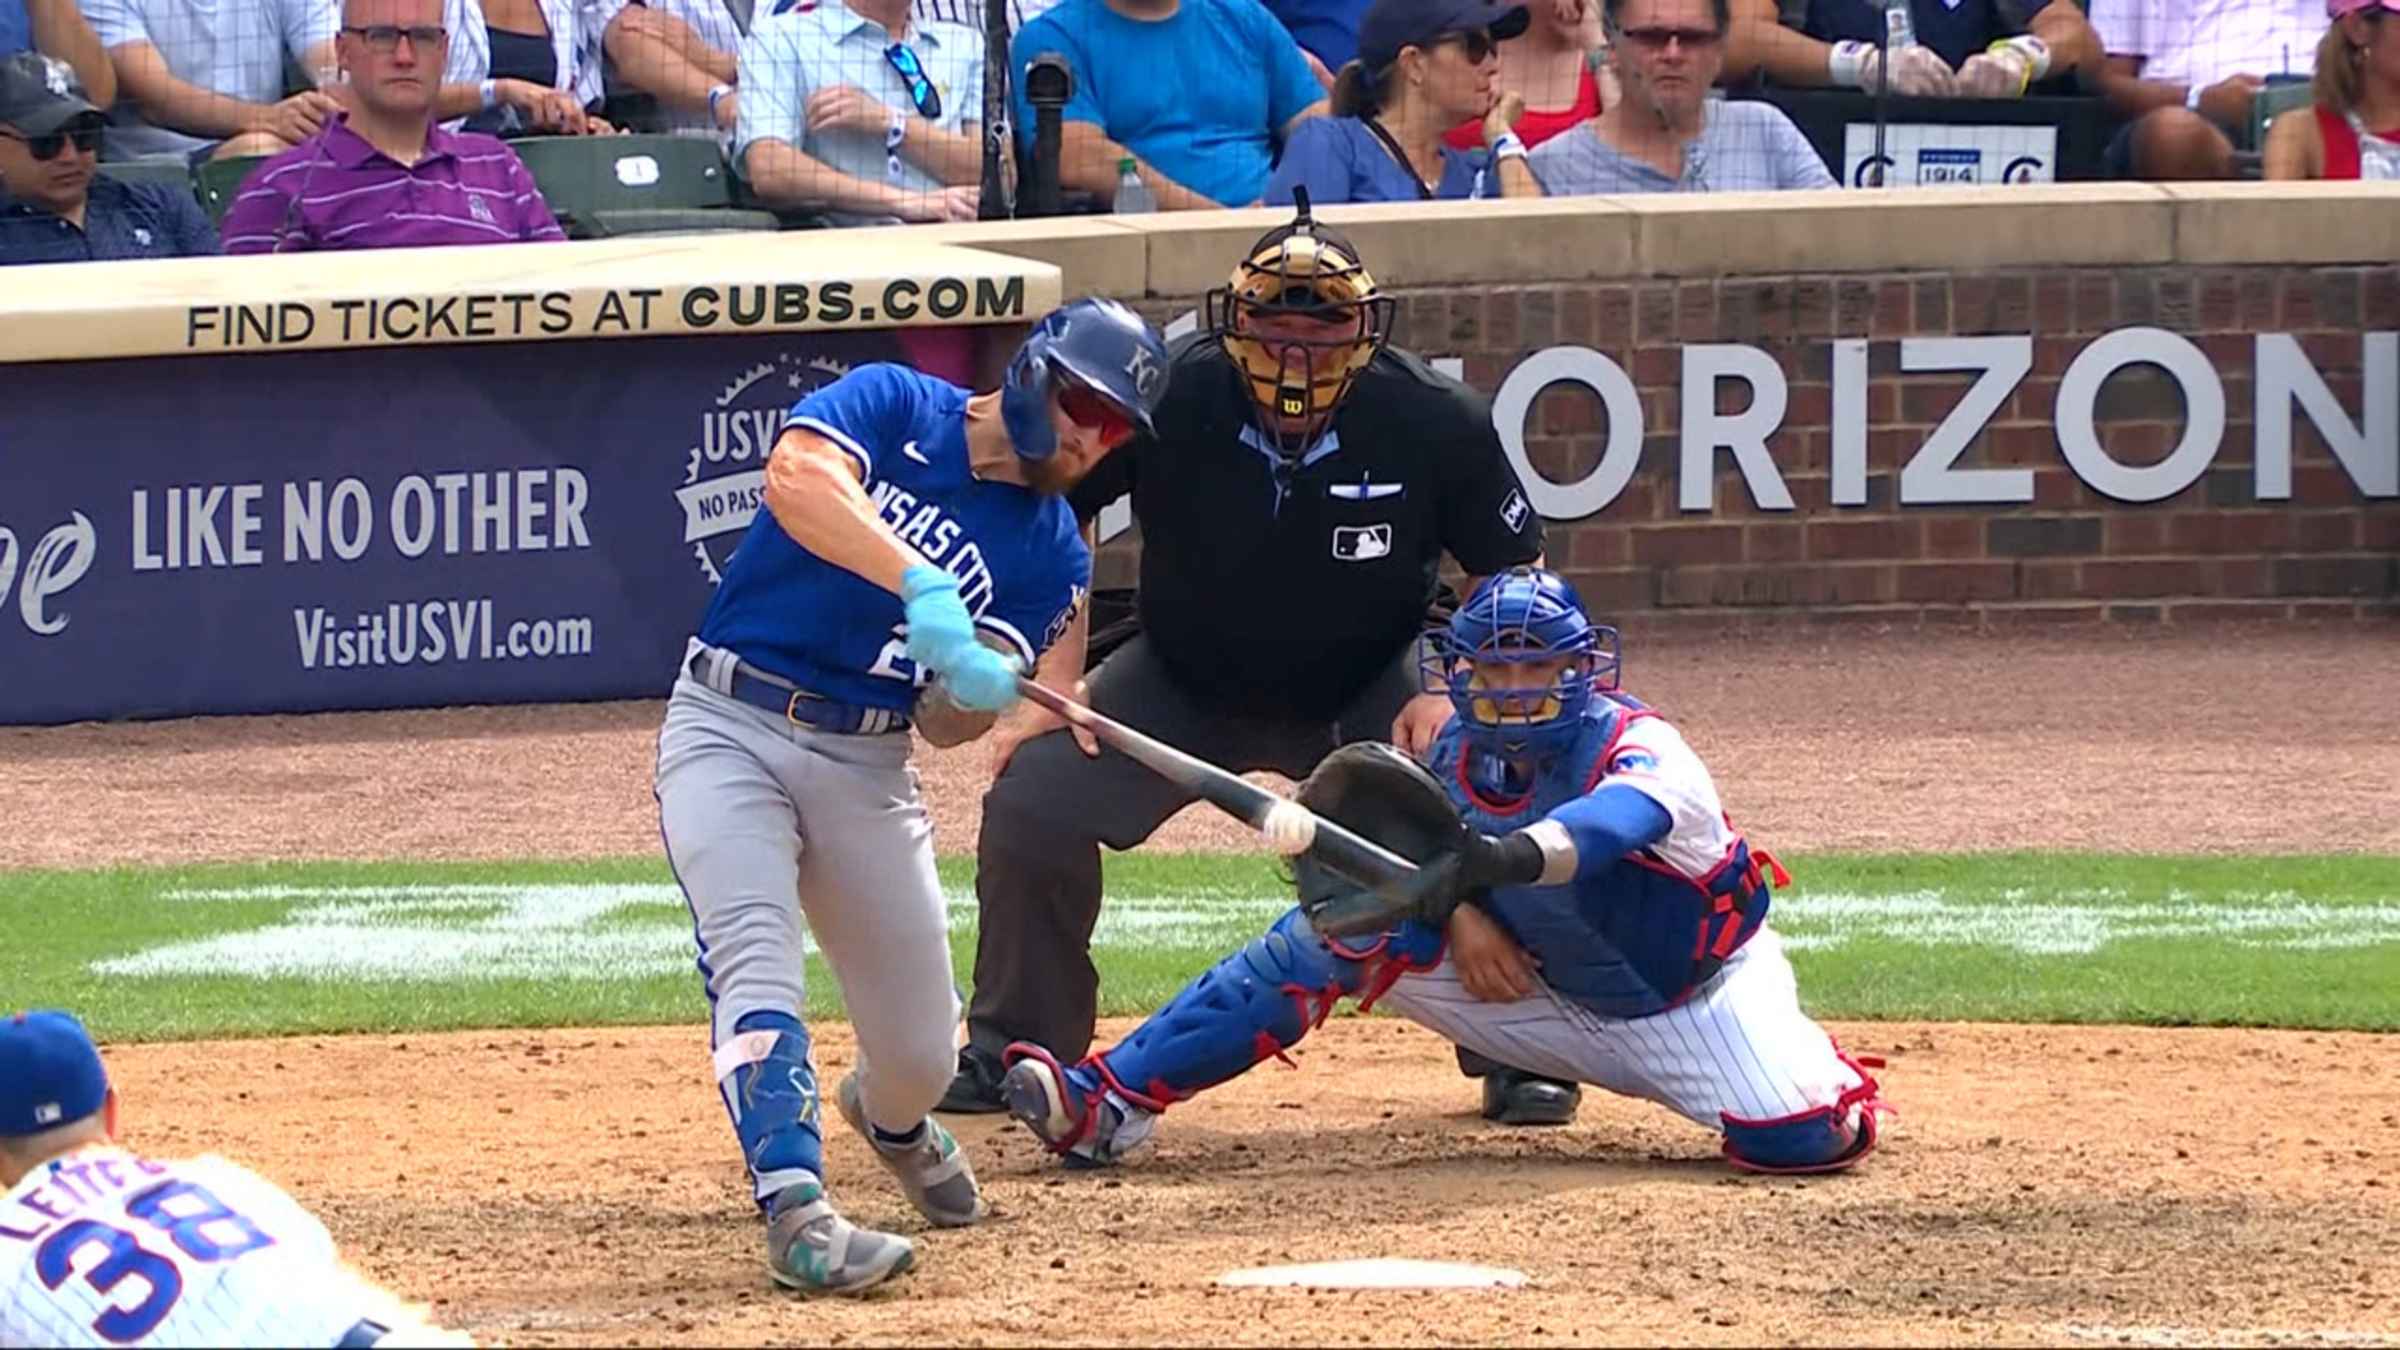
50 1072
1390 25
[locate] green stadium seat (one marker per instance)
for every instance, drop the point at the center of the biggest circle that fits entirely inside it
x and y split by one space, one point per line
601 187
219 181
172 173
2272 102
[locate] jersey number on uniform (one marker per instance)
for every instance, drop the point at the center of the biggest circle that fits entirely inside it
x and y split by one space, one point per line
892 662
187 1214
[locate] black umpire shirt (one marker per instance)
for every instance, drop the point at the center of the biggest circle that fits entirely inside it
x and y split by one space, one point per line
1283 589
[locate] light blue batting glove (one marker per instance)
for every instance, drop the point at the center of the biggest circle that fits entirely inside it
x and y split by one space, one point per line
939 627
982 681
941 638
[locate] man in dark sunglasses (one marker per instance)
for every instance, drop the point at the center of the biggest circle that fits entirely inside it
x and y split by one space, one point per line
1664 134
55 206
854 105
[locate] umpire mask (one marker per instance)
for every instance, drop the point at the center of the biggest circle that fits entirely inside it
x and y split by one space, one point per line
1300 318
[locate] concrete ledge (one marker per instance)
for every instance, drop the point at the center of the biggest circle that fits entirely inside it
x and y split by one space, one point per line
1572 239
1410 244
2265 223
1903 230
1095 255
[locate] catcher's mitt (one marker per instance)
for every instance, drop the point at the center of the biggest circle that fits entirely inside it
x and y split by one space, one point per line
1383 794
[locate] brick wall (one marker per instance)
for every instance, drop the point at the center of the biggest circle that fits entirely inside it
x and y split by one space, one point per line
2072 555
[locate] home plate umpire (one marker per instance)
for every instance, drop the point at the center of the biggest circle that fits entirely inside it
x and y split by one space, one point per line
1295 502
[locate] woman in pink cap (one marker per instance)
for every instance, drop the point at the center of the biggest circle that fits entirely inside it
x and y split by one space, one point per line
2354 131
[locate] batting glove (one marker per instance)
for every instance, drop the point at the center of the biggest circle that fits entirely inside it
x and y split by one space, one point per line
2005 71
941 638
982 680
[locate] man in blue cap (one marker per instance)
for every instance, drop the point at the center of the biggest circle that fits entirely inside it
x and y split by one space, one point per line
101 1247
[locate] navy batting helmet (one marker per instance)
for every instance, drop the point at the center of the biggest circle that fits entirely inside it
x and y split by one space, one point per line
1523 615
1091 347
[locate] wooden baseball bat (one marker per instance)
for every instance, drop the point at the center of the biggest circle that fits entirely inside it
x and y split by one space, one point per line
1344 850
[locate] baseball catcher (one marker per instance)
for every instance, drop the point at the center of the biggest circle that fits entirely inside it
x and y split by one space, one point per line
1594 915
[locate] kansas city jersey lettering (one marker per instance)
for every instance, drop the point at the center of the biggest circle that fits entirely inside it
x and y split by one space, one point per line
1020 561
105 1248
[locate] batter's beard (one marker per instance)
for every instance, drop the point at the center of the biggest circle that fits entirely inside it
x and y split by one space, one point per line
1049 477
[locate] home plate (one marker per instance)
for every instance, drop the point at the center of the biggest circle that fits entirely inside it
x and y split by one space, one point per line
1379 1272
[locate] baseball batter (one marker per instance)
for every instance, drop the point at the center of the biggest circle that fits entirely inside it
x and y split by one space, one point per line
910 531
100 1246
1613 929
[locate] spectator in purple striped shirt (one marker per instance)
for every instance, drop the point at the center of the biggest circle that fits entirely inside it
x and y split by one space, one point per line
383 175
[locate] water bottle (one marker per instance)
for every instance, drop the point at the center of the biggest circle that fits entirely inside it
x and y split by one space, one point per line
1899 25
1133 195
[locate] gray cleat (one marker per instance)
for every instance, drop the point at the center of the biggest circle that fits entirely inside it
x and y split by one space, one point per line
933 1171
815 1250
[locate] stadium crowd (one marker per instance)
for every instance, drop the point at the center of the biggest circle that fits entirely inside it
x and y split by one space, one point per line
378 123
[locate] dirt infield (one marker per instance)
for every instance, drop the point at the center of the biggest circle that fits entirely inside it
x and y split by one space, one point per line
2047 1185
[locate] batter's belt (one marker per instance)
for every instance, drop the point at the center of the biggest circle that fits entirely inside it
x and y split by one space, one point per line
718 669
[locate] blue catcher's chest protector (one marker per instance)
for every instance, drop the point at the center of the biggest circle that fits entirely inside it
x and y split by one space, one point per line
1635 937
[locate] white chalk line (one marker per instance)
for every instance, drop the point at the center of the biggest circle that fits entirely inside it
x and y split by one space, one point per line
445 933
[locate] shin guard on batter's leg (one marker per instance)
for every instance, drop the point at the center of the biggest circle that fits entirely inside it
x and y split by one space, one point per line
770 1086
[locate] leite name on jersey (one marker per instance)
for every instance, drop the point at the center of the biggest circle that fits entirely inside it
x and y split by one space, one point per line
71 1188
931 532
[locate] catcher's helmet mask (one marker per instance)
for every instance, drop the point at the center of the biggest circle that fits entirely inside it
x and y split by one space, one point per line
1524 616
1296 382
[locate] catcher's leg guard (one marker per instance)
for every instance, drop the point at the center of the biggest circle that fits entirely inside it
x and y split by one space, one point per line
1830 1138
770 1087
1254 1005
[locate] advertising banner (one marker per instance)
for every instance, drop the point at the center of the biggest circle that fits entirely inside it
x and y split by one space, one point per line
411 527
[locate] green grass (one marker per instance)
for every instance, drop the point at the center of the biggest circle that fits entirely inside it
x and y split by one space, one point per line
258 949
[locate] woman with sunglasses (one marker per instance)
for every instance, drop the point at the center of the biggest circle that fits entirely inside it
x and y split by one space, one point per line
1422 66
1666 134
2353 129
1558 68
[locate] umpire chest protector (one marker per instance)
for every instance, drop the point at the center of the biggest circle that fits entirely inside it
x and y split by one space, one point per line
1635 937
1286 584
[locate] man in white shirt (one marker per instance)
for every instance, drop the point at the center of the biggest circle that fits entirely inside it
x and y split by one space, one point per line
686 55
853 107
203 79
2183 74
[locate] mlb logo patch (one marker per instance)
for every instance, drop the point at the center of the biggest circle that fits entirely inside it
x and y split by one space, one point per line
1512 511
48 1113
1362 543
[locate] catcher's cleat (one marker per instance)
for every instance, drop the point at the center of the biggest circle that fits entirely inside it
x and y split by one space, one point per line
975 1091
1513 1097
933 1171
1070 1111
815 1250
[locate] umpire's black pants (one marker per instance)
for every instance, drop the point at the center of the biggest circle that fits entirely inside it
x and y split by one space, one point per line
1037 866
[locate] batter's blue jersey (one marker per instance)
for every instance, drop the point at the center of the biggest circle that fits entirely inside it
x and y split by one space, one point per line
1021 564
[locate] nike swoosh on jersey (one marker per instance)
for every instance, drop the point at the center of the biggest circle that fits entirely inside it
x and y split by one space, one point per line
910 450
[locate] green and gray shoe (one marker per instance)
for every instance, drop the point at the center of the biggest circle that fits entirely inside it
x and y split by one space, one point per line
815 1250
933 1171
